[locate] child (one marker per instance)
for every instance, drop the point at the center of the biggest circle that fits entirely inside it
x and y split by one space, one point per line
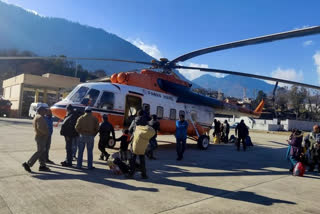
125 141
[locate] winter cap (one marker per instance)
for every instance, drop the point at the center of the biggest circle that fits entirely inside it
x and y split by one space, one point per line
40 108
88 109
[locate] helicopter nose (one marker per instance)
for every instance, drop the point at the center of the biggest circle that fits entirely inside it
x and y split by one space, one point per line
58 111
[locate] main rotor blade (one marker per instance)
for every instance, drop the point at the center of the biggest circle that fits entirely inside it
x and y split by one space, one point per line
249 75
252 41
72 58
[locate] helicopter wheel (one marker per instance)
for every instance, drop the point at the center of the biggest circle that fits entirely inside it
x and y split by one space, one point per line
111 143
203 142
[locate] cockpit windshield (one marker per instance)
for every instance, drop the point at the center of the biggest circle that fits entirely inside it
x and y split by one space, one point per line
91 98
79 95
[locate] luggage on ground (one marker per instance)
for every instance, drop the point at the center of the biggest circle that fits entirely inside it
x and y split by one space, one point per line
216 139
299 169
114 168
248 141
232 139
123 167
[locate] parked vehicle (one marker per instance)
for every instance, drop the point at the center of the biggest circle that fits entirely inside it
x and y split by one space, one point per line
33 108
233 126
5 107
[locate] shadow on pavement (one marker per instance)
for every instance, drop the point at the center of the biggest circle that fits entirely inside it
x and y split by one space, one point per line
257 161
97 176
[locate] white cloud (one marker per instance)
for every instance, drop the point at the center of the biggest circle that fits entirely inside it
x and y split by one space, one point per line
191 74
152 50
32 11
287 74
316 58
29 10
307 43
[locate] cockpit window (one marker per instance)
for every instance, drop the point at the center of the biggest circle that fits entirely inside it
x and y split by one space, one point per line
106 100
91 98
79 95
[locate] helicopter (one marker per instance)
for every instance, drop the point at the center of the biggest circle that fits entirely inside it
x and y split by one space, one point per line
163 93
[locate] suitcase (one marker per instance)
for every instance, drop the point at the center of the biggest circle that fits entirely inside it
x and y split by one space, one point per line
248 141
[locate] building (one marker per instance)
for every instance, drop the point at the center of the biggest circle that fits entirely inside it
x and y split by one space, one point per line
24 89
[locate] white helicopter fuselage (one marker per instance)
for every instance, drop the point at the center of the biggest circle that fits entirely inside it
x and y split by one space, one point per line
121 103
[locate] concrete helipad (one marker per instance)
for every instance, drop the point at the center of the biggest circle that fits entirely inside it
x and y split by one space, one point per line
218 180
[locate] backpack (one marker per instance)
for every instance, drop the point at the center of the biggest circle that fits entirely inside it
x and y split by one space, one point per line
299 169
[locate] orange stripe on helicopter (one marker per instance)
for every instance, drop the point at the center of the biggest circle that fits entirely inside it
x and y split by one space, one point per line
146 79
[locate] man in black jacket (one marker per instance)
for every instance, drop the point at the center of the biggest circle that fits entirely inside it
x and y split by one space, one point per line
69 132
242 132
140 120
105 129
226 130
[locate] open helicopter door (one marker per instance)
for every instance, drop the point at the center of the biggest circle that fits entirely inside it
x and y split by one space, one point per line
133 105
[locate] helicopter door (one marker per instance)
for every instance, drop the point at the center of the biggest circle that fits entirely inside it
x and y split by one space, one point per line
133 105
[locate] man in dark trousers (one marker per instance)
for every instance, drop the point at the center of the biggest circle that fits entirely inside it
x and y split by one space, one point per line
49 120
69 132
217 126
104 131
154 123
226 130
242 132
181 136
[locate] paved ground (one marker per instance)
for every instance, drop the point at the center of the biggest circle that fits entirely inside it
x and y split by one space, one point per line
218 180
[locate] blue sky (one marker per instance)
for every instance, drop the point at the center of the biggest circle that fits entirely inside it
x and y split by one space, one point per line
171 28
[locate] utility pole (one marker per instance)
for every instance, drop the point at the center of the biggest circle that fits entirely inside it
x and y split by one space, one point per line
244 93
76 72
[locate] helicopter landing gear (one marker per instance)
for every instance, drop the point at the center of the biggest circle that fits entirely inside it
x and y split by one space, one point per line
203 142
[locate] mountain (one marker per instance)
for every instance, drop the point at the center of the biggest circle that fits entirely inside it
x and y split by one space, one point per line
46 36
234 85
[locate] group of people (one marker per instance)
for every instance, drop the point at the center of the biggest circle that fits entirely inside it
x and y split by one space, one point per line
80 128
221 131
305 150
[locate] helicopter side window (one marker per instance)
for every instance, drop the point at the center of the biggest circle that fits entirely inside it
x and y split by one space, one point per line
194 116
106 100
159 112
91 98
182 113
79 95
173 113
